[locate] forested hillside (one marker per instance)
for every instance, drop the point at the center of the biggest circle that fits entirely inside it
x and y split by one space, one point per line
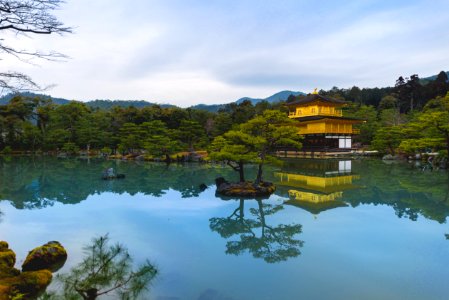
409 117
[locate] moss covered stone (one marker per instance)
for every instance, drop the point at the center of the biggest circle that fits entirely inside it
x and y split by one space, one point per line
3 245
7 256
8 272
50 256
29 284
244 189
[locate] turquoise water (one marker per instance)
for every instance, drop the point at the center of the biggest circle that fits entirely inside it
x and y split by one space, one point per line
358 229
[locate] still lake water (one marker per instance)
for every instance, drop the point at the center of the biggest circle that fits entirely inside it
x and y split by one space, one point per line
359 229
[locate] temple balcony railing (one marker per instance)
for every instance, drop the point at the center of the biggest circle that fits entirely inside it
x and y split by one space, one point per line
344 131
319 112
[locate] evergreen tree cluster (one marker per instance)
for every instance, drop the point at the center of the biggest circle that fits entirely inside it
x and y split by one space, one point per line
37 124
407 118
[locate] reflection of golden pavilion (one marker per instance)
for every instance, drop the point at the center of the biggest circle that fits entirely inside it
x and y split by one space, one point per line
318 191
313 197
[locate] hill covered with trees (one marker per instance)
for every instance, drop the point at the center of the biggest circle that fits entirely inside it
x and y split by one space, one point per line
411 116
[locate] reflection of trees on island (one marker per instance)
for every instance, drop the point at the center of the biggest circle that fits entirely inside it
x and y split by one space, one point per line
271 243
327 183
36 183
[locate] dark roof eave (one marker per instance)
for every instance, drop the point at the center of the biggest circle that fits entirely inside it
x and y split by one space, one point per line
314 118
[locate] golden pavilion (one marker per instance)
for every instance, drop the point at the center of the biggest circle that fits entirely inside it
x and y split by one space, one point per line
322 124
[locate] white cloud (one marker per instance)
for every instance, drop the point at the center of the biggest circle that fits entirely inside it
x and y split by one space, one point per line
214 52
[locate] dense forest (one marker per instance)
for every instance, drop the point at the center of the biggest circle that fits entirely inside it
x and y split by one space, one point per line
410 117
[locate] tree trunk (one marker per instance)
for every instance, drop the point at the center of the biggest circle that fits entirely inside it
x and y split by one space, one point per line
259 174
259 171
167 159
241 172
447 149
262 217
241 209
391 149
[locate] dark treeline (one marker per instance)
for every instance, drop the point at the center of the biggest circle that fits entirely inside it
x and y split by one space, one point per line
394 121
36 124
408 94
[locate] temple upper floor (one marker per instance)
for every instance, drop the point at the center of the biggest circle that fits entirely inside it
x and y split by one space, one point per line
315 105
314 110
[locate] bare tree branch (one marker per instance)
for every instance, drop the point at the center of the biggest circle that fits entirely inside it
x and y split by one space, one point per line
24 17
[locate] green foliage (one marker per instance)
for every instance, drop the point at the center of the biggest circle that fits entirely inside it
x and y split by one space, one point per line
159 140
131 137
411 146
105 270
392 117
271 130
33 122
255 140
387 139
121 149
222 123
7 150
367 128
106 151
388 102
70 148
235 148
428 129
191 133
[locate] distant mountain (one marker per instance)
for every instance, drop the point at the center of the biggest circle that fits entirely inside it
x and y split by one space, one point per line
209 108
281 96
102 104
5 99
426 80
107 104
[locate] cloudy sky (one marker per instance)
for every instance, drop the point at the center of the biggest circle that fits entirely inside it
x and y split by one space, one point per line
187 52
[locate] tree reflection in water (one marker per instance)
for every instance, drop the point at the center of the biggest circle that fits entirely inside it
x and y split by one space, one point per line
34 183
274 244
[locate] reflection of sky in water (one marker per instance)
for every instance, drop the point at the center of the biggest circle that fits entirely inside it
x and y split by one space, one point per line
349 253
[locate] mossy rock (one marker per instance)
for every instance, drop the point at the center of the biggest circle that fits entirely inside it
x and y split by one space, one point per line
28 284
245 189
7 256
3 245
4 292
51 256
8 272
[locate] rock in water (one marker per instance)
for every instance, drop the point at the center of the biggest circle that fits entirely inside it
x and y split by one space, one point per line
7 256
203 187
50 256
37 271
27 285
244 189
